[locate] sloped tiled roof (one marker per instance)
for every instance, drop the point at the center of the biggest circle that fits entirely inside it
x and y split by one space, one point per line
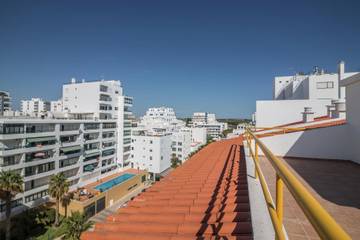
205 198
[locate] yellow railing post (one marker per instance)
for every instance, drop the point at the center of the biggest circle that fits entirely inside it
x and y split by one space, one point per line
279 198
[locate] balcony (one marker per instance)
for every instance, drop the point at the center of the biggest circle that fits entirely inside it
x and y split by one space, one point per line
90 167
91 127
109 126
73 150
39 155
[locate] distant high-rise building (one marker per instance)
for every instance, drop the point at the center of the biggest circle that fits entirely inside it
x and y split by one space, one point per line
5 102
35 106
208 121
56 106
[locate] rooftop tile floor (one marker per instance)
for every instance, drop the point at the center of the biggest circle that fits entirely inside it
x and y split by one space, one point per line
334 183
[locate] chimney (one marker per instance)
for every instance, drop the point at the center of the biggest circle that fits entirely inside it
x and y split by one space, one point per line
339 109
341 71
308 115
73 80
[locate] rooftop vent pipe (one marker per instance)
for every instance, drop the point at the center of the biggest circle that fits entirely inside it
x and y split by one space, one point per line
308 115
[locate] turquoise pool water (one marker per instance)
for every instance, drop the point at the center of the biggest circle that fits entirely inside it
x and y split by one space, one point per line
113 182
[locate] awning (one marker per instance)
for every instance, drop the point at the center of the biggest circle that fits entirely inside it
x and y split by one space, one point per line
70 149
40 139
89 168
92 154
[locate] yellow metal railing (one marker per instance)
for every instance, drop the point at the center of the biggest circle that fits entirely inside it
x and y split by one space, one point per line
323 223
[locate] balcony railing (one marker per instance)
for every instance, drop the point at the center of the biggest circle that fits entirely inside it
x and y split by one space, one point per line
323 223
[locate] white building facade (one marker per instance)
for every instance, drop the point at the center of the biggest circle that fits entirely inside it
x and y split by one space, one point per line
291 94
151 152
83 150
181 144
208 121
35 106
56 106
5 102
103 99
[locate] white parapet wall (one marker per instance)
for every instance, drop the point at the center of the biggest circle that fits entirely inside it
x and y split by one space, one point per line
278 112
323 143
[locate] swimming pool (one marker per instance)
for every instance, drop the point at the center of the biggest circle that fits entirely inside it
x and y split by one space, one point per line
113 182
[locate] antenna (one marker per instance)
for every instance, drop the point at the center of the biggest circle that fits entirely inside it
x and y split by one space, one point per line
102 78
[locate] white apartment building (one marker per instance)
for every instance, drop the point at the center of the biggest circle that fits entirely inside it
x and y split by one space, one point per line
240 129
124 120
291 94
102 99
5 102
151 151
161 126
208 120
35 107
317 85
56 106
181 144
84 150
199 135
161 117
199 117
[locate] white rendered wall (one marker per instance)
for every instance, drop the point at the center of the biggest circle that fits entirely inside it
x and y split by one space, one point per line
84 97
353 117
279 112
324 143
151 153
120 132
56 106
198 134
181 140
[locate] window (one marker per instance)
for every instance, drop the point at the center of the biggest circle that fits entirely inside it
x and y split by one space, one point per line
14 204
324 85
36 196
180 143
179 149
150 157
151 141
150 150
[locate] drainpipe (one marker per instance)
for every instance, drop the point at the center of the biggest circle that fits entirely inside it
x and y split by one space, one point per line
341 71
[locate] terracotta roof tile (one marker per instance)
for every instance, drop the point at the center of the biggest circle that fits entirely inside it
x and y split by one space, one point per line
205 198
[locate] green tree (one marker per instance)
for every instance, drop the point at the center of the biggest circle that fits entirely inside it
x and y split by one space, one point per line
75 225
175 162
45 217
11 183
58 188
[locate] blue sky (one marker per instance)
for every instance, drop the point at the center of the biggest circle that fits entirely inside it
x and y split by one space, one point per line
217 56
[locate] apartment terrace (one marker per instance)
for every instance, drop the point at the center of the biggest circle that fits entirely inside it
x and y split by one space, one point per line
91 199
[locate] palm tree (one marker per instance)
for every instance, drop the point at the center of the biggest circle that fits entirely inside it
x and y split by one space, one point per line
75 225
58 187
65 201
11 183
